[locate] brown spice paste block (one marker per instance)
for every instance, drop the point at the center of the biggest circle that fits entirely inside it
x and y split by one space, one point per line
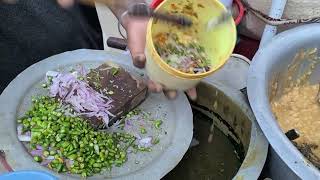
126 90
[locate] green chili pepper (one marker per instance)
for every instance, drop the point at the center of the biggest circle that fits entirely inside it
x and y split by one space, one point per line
73 138
155 141
114 70
37 158
143 131
157 123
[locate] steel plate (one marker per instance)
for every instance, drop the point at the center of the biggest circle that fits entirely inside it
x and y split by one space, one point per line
177 116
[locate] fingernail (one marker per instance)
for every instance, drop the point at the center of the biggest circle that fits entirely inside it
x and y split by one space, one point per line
65 3
151 86
158 88
192 93
171 94
139 61
193 97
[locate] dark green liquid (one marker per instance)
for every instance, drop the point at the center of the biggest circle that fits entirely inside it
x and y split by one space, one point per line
207 161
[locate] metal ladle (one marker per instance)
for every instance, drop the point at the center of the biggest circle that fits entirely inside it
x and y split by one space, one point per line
143 10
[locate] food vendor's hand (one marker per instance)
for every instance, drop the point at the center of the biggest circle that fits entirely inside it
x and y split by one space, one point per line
136 31
65 3
171 94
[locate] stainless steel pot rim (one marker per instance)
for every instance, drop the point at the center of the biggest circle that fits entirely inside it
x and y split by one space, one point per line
258 96
258 147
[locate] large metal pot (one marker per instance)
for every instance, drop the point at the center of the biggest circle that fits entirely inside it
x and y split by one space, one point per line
270 62
236 121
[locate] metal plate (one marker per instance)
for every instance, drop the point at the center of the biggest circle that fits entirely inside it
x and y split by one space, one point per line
177 117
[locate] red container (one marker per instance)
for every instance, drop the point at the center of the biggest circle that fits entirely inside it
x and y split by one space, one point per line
155 3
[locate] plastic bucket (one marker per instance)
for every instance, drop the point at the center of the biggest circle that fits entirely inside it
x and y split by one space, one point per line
218 43
27 175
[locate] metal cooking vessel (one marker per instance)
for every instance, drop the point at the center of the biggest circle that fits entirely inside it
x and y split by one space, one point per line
238 123
270 63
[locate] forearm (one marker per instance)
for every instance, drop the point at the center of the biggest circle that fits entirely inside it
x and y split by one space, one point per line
118 7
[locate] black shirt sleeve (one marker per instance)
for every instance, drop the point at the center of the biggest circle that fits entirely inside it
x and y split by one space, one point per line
32 30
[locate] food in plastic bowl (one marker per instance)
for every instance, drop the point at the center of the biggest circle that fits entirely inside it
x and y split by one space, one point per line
180 57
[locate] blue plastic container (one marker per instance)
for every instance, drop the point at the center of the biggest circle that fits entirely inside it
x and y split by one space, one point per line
27 175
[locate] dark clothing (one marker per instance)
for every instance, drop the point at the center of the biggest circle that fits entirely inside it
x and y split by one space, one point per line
32 30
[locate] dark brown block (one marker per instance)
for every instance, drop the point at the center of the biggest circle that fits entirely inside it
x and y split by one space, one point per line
126 90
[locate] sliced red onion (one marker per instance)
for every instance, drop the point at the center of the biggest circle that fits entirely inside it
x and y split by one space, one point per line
54 88
128 125
91 114
36 152
145 142
69 163
116 126
50 158
81 96
19 129
23 137
28 133
82 71
70 114
45 162
137 135
39 147
52 73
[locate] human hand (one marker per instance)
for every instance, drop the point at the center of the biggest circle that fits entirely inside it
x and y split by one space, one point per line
136 32
136 29
65 3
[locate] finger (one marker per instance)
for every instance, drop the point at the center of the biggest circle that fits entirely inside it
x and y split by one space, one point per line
139 60
9 1
171 94
154 87
192 93
66 3
136 31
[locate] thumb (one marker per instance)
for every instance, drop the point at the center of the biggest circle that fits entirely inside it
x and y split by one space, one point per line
136 31
65 3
